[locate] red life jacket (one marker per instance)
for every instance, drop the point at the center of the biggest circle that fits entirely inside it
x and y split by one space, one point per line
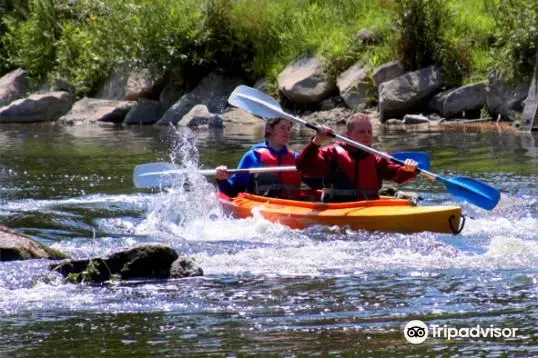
361 181
285 184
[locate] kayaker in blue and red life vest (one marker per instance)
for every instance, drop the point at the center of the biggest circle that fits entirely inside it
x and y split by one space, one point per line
272 152
349 173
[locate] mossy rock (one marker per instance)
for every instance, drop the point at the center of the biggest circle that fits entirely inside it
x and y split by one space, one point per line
147 261
17 246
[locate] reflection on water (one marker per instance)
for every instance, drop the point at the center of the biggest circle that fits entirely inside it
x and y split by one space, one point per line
269 289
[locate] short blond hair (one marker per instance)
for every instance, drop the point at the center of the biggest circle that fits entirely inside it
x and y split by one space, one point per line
357 117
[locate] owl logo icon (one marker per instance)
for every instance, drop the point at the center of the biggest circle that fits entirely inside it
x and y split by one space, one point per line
416 332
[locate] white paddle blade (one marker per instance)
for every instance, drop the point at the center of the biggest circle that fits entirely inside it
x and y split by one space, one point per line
255 102
155 175
160 175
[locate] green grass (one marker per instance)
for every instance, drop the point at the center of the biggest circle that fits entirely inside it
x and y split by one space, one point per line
83 41
472 31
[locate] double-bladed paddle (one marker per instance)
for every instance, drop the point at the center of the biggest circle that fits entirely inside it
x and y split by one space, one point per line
155 175
467 189
160 174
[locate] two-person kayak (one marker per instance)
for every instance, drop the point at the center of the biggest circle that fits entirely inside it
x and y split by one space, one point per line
385 214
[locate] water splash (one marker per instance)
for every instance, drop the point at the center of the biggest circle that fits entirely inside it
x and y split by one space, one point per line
188 217
190 200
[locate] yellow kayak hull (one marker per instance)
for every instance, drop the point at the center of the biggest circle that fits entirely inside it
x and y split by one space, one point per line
385 214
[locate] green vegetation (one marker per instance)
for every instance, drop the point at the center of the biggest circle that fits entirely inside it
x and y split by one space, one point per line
55 253
96 271
83 40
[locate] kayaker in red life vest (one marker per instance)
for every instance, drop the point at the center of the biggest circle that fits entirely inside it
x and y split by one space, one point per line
349 173
270 153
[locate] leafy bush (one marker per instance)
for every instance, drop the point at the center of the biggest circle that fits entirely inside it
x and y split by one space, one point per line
127 34
424 39
31 43
514 53
9 9
80 59
84 40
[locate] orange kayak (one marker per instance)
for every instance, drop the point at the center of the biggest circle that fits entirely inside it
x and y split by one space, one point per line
385 214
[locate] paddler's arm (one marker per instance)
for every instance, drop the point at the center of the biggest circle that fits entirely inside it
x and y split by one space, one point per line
313 160
225 185
396 172
237 183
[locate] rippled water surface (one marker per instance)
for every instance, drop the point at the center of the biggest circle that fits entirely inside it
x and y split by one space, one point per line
267 288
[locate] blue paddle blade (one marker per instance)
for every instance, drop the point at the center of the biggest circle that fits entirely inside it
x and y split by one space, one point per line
255 102
263 105
421 158
472 191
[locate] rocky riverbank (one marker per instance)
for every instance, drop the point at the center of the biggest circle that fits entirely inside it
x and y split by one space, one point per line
387 93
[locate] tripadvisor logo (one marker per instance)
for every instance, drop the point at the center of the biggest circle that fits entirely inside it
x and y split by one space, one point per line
416 332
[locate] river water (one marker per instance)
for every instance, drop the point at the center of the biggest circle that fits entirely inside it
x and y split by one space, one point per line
267 289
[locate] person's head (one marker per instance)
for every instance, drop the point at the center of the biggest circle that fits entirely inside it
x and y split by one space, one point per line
277 131
359 128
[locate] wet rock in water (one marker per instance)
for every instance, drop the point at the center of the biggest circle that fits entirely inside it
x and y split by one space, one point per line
148 261
185 267
89 110
456 102
394 121
415 119
39 107
16 246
